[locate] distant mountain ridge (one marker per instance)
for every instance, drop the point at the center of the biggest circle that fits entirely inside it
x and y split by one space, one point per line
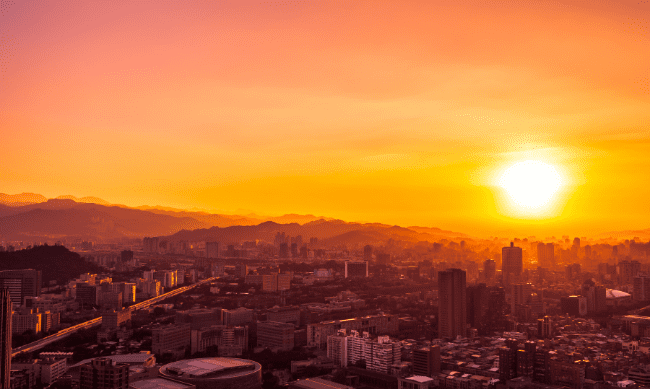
212 219
91 218
21 199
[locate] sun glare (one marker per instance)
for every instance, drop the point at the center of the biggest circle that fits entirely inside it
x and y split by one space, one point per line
531 185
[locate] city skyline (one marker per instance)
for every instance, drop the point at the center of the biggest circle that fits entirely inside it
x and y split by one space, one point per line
409 114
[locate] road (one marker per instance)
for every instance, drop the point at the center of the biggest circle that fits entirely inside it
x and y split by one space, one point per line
98 321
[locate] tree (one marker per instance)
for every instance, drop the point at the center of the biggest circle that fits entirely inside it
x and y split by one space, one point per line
340 376
269 381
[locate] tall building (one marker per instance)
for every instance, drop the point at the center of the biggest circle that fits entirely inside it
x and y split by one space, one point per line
284 250
173 339
5 337
150 245
317 333
380 354
237 317
489 270
512 263
337 348
104 373
275 335
426 361
212 249
21 284
126 256
521 295
356 269
230 341
367 252
544 328
546 255
452 321
477 304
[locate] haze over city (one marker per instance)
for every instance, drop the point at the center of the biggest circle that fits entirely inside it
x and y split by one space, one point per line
324 194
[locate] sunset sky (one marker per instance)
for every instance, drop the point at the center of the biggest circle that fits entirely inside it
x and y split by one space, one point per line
400 112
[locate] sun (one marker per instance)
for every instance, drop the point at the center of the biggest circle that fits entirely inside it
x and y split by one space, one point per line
532 185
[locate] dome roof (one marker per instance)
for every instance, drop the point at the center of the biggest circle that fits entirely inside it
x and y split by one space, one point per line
616 294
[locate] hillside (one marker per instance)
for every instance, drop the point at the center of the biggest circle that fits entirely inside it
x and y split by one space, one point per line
21 199
55 262
329 232
66 218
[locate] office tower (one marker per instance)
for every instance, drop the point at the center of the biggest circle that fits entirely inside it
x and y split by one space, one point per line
380 354
173 339
150 245
5 334
21 284
574 305
489 270
294 250
284 250
521 295
477 304
507 363
275 335
426 361
230 341
627 270
241 270
512 264
104 373
337 348
356 269
452 321
546 255
641 291
237 317
576 243
126 256
572 271
212 249
367 253
544 328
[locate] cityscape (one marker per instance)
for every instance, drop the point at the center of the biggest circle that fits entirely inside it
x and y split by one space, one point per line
324 194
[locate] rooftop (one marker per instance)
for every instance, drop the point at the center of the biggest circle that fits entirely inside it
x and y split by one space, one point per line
210 367
159 383
420 378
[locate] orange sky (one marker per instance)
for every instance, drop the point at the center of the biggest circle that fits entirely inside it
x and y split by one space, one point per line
390 111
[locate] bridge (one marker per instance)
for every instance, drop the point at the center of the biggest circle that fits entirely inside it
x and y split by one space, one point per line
98 321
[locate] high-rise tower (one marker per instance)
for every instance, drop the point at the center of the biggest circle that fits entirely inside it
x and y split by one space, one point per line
452 321
512 265
5 335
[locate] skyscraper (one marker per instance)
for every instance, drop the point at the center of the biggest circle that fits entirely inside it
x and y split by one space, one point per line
489 270
426 361
546 255
5 337
212 249
21 284
452 321
512 265
367 252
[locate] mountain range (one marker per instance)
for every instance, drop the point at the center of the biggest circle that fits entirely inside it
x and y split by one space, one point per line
32 217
